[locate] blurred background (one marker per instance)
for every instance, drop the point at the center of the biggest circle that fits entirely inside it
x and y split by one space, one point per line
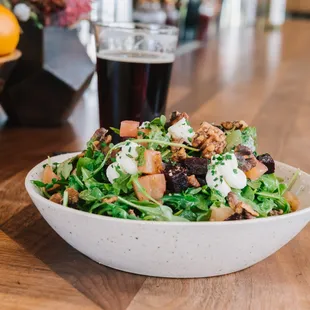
54 61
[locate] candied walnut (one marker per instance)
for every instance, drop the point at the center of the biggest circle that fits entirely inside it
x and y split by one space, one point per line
99 134
73 196
193 181
101 140
239 206
105 144
131 212
245 157
57 198
275 212
228 125
176 116
178 155
110 200
210 139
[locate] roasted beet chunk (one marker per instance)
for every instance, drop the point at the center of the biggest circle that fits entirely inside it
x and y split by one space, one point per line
176 178
245 157
201 179
196 166
268 161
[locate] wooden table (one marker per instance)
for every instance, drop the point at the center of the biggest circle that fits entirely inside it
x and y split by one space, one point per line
262 78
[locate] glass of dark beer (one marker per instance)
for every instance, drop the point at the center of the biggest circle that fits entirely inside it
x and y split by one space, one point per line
134 63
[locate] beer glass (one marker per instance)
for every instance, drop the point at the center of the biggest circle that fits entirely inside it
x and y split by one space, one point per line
134 63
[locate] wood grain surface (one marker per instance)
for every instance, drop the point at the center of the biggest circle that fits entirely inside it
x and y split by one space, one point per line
260 77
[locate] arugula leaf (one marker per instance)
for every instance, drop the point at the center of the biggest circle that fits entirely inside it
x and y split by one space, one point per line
282 188
248 193
159 121
38 184
156 212
64 169
89 181
116 130
213 195
75 182
123 183
255 184
280 201
157 133
269 182
193 191
141 159
98 158
163 120
283 204
160 213
265 207
91 195
204 217
187 214
86 163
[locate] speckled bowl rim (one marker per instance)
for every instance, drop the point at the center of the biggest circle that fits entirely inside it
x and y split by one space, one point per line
31 189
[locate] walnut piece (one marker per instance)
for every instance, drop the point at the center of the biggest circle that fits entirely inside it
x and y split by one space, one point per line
110 200
101 140
57 198
210 139
240 206
229 125
73 196
176 116
275 212
178 153
192 180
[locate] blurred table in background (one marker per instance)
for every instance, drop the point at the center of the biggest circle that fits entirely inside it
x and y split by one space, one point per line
298 6
262 78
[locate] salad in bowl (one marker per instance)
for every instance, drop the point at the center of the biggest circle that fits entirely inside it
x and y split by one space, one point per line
165 170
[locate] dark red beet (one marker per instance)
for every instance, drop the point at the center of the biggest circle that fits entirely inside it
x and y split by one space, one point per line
176 178
196 166
268 161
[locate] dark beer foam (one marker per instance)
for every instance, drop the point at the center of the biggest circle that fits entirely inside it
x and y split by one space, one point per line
136 56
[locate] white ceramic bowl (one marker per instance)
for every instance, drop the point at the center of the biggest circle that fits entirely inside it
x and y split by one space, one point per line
178 250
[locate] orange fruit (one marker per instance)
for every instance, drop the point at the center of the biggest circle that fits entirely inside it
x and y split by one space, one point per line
9 31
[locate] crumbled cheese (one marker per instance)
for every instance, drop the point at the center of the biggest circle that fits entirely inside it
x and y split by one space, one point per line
127 163
112 172
224 174
181 130
145 125
130 148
